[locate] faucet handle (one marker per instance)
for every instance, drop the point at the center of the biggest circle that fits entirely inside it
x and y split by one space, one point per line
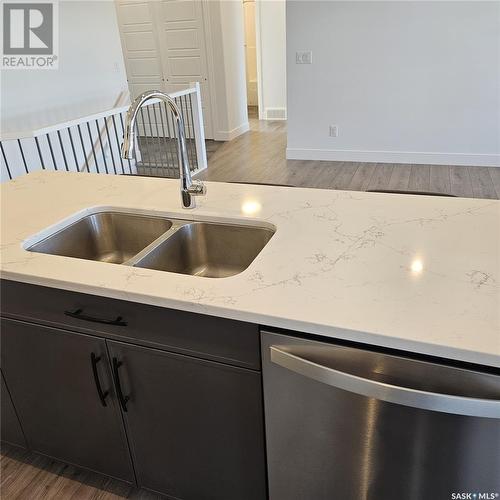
197 188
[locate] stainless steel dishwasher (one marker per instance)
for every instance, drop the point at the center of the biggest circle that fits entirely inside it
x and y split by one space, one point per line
352 424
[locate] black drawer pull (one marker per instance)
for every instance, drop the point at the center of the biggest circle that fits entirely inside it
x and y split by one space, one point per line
123 399
102 394
78 314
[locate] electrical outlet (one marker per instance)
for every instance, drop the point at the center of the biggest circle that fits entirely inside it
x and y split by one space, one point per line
334 131
303 57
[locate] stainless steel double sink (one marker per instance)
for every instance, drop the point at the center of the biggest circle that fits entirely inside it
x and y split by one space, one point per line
209 249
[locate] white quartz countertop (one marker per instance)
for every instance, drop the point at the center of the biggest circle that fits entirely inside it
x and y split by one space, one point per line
416 273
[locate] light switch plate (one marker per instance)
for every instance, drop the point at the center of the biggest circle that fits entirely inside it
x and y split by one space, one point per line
303 57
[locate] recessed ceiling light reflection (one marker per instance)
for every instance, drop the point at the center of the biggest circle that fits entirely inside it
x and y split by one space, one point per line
417 266
251 207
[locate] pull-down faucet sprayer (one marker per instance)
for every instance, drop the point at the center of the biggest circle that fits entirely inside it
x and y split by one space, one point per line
189 188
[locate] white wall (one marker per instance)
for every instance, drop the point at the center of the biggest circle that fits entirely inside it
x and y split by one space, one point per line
90 77
227 61
404 81
272 33
227 67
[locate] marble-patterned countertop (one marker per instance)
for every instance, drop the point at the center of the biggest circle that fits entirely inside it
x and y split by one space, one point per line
416 273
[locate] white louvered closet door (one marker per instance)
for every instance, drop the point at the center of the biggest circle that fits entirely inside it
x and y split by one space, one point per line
164 47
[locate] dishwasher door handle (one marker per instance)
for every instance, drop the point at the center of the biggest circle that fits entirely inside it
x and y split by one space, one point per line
446 403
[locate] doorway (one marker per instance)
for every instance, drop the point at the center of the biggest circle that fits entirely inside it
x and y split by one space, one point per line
251 58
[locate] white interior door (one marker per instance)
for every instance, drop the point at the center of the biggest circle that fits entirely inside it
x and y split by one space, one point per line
183 50
141 51
140 46
164 48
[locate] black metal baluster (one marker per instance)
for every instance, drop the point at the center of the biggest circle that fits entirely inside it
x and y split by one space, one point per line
173 144
150 143
51 151
117 141
73 148
102 147
39 153
158 141
5 160
83 148
62 150
143 145
22 155
161 143
170 163
165 142
110 145
92 145
176 138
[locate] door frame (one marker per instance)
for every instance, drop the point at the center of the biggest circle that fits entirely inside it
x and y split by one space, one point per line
258 48
209 54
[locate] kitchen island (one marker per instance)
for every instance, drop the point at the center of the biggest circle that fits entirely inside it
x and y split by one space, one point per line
304 344
414 273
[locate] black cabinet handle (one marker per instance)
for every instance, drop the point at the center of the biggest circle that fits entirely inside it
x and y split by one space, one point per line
78 314
123 399
102 394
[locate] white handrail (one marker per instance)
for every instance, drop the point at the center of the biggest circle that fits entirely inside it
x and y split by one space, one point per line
67 124
174 95
78 121
82 119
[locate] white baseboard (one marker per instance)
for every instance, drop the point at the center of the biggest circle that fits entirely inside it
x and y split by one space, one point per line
486 160
229 135
274 114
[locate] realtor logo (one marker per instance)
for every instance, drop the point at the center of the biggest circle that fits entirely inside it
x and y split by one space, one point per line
29 40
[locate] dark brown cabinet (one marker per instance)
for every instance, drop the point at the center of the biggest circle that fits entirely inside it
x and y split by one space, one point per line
50 374
195 427
11 431
168 400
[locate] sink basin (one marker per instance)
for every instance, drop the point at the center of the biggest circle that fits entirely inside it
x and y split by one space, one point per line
105 236
207 249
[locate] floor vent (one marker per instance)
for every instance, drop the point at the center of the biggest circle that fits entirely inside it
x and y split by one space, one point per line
276 113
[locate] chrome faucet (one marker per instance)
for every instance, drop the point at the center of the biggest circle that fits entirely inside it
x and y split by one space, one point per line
189 187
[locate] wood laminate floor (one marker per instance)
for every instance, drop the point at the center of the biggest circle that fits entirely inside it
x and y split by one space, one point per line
259 156
26 476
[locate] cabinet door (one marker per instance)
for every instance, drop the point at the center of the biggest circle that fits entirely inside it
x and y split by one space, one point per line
195 427
53 377
11 431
